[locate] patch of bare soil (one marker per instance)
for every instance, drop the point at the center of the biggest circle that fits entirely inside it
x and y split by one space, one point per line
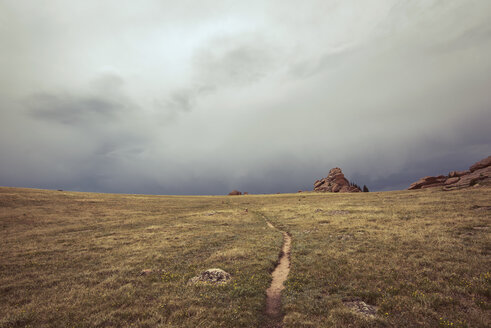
280 273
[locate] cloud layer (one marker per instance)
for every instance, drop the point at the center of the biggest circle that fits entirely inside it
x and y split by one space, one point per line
195 98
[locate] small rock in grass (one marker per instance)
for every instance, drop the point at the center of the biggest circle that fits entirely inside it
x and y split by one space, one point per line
215 276
362 308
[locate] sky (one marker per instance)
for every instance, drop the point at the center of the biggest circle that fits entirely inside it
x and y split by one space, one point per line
202 97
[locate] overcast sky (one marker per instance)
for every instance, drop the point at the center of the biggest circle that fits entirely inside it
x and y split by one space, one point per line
202 97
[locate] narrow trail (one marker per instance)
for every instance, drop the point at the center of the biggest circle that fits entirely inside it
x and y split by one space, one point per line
280 273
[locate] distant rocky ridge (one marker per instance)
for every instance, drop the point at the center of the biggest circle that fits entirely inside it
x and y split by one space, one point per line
335 182
478 173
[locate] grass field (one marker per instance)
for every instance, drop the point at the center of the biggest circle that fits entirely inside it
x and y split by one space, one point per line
421 258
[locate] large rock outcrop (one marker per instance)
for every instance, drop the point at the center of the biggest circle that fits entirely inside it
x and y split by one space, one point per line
335 182
478 173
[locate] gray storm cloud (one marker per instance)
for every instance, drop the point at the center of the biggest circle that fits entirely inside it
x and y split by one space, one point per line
200 98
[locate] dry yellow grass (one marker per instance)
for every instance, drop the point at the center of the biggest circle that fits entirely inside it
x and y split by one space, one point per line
422 258
73 259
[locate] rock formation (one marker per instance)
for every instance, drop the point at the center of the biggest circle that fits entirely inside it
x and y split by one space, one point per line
234 193
335 182
478 173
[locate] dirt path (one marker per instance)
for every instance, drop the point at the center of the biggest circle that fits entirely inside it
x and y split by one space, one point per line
280 273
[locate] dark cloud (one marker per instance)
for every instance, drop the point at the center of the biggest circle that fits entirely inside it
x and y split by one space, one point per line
223 63
73 110
328 61
75 140
182 100
237 61
103 103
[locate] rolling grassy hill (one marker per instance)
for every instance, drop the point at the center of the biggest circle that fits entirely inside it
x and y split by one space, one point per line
69 259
